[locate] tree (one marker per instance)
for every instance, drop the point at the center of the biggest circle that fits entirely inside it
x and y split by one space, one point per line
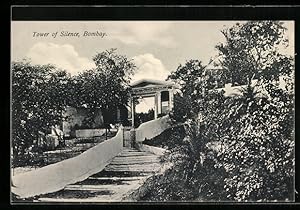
259 157
188 75
38 99
256 131
252 50
195 81
238 148
106 86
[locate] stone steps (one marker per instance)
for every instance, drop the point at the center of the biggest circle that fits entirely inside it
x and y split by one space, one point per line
135 155
119 174
135 162
124 174
116 178
146 168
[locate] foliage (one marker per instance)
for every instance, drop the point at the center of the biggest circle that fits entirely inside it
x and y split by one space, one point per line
40 94
169 138
190 176
186 75
195 81
259 154
38 99
242 149
106 86
143 117
252 50
236 148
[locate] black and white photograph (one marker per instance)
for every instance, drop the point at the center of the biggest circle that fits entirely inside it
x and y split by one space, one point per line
152 111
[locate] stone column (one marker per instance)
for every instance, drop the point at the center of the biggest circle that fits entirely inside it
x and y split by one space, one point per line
129 109
132 138
158 103
132 111
171 99
155 106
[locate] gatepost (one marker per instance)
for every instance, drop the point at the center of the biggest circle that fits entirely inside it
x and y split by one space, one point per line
132 137
123 134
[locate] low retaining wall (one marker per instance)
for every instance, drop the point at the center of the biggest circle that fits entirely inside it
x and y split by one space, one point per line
152 149
149 130
86 133
56 176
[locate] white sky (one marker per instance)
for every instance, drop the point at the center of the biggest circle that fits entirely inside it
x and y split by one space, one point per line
145 104
156 47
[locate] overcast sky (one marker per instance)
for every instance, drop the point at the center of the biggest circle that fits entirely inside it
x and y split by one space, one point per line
157 47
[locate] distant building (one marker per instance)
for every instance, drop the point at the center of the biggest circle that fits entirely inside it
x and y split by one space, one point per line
162 91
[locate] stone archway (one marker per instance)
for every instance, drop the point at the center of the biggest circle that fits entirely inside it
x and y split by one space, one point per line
162 91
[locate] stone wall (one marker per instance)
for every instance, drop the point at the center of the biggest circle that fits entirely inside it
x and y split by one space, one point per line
152 128
75 118
86 133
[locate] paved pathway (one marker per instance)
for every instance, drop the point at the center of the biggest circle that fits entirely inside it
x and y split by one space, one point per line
123 175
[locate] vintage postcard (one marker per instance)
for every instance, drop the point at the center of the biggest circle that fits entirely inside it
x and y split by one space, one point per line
152 111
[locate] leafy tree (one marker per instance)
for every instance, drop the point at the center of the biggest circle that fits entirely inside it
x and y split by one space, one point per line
237 148
106 86
186 75
195 80
38 99
40 94
259 156
252 50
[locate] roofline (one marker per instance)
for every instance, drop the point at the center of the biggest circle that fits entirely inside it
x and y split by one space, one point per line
160 82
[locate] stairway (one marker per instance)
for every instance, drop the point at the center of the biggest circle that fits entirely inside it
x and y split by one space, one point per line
123 175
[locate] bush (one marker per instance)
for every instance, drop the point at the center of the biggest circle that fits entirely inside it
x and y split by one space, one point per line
168 139
238 148
259 154
242 149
